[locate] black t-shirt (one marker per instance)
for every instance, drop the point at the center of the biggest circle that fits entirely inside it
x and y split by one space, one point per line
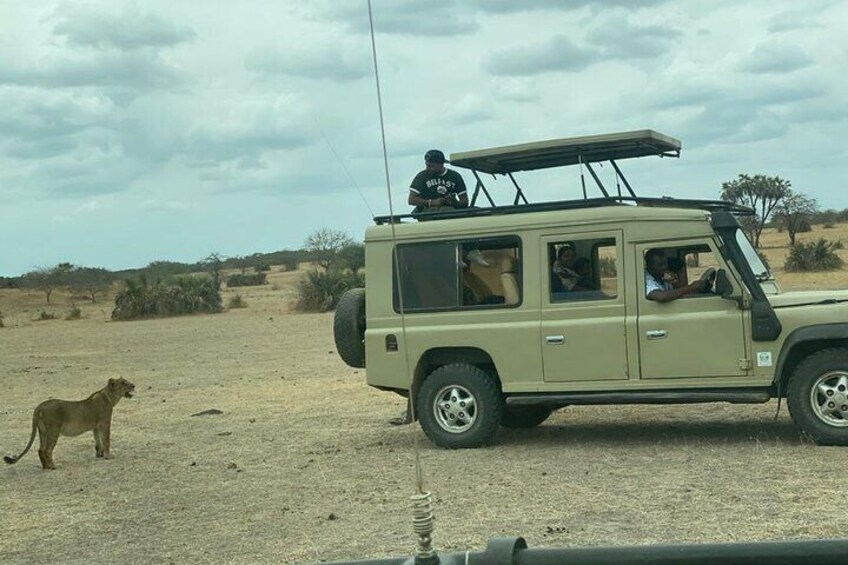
431 186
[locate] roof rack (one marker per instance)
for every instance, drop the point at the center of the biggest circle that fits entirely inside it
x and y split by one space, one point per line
707 205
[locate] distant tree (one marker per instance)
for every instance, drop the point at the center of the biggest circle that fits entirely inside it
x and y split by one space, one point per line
92 281
759 192
290 262
794 214
241 263
48 279
324 246
353 256
161 270
213 264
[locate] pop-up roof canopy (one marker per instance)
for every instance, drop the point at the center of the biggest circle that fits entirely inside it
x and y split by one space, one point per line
581 151
568 151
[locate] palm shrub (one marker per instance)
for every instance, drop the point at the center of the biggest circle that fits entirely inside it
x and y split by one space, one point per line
320 291
814 256
182 295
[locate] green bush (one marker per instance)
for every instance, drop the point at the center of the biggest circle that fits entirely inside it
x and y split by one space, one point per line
236 302
74 313
262 267
290 263
814 256
320 291
184 295
248 279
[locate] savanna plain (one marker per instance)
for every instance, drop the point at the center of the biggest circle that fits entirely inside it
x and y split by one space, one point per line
301 466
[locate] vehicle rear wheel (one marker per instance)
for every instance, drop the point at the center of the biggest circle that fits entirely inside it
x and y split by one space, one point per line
818 396
459 406
525 416
349 327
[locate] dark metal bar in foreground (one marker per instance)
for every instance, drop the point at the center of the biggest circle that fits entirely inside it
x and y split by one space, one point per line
513 551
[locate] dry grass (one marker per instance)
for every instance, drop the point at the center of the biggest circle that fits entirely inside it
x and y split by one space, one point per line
301 439
775 247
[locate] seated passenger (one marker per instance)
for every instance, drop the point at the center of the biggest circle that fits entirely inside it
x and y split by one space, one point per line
676 273
583 268
570 273
660 290
564 275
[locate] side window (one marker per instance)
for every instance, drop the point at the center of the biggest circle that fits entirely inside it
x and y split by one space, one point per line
453 275
583 269
684 265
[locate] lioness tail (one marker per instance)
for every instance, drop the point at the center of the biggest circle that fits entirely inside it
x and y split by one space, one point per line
12 460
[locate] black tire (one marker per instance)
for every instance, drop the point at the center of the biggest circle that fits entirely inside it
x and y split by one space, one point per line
517 417
462 430
828 368
349 327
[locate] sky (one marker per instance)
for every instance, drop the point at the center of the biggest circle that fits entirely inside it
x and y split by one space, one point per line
133 132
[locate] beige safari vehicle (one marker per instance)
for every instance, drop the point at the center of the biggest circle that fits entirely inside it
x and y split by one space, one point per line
464 313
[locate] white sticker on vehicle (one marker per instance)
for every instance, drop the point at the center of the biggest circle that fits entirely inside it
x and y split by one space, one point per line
763 358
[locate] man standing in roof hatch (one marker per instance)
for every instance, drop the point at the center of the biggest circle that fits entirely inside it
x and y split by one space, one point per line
436 188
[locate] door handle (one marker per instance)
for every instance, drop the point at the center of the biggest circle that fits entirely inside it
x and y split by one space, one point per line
656 334
555 339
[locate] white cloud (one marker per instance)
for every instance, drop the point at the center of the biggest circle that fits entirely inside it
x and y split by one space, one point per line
174 117
775 57
122 27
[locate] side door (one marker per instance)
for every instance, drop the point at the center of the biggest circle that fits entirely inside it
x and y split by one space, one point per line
698 335
583 328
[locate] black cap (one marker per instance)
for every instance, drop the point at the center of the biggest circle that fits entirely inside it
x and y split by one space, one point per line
434 156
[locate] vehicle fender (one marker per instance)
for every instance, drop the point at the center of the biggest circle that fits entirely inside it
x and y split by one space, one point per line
798 343
439 356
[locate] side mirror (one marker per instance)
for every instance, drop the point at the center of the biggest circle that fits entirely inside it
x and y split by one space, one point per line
722 284
724 288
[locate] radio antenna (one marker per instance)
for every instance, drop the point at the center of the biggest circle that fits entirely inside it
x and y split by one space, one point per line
422 510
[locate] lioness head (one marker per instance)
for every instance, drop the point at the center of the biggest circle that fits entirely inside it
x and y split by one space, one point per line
121 387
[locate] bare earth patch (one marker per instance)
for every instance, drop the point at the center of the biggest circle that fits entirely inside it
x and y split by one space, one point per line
301 466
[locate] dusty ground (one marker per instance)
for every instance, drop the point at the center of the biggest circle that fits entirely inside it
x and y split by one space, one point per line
302 467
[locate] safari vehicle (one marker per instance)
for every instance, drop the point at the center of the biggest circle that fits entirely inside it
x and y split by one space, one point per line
464 314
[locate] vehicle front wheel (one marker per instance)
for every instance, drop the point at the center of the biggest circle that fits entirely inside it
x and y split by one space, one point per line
818 396
525 416
459 406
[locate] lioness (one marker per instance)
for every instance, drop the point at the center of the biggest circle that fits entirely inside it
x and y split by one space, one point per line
53 418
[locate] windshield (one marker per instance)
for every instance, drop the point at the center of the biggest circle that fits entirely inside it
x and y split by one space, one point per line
757 265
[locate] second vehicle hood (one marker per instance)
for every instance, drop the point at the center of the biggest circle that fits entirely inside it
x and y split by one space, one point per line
801 298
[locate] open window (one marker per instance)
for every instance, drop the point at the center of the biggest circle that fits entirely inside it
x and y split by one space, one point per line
583 269
459 275
686 264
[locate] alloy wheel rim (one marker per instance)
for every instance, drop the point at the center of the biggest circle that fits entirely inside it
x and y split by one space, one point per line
829 398
455 409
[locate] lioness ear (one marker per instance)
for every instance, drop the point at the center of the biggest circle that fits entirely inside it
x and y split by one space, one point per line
111 382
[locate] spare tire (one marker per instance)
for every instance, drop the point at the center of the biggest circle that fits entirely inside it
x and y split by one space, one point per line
349 327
